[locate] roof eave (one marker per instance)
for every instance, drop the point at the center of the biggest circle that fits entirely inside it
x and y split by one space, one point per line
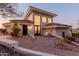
30 9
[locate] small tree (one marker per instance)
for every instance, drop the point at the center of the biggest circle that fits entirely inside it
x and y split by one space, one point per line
15 29
9 10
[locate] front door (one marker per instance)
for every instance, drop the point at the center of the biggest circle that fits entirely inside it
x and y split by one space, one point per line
37 30
25 29
63 34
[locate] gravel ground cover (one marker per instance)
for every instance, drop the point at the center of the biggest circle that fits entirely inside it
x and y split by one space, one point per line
5 51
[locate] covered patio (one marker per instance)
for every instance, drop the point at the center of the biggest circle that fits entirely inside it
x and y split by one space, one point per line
56 28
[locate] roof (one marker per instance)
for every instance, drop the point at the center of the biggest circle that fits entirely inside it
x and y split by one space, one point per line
30 9
21 21
57 25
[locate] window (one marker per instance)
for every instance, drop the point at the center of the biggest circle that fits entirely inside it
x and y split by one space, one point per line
49 20
37 20
44 19
38 29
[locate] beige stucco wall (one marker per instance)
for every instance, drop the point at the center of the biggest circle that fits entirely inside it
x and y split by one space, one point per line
30 17
57 31
67 32
31 29
48 30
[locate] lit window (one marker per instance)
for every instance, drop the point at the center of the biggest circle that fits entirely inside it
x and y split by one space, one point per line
49 20
44 19
38 29
37 20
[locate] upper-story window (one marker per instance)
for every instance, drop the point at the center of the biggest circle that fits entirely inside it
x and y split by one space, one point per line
37 20
44 19
49 20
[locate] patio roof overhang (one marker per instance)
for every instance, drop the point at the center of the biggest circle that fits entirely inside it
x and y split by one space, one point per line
22 21
57 26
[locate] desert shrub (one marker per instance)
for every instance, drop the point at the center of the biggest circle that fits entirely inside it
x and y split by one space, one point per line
15 30
70 38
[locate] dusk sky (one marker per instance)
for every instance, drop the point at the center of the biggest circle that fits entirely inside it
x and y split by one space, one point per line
67 13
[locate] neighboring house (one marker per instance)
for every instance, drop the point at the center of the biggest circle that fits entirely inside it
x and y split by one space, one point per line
37 22
75 30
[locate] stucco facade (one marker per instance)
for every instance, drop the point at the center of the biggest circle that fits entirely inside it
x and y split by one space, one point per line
31 29
57 32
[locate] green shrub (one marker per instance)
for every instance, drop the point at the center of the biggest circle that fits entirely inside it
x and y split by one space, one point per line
15 30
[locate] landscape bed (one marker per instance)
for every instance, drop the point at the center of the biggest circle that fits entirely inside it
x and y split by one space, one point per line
5 51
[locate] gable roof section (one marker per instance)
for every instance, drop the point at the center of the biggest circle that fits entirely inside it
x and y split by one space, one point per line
30 9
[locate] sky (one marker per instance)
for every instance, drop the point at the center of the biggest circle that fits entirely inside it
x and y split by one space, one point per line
67 13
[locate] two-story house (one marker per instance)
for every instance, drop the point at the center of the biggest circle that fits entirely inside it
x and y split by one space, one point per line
40 22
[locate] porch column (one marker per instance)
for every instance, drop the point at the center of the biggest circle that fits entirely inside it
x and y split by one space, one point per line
21 31
40 24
